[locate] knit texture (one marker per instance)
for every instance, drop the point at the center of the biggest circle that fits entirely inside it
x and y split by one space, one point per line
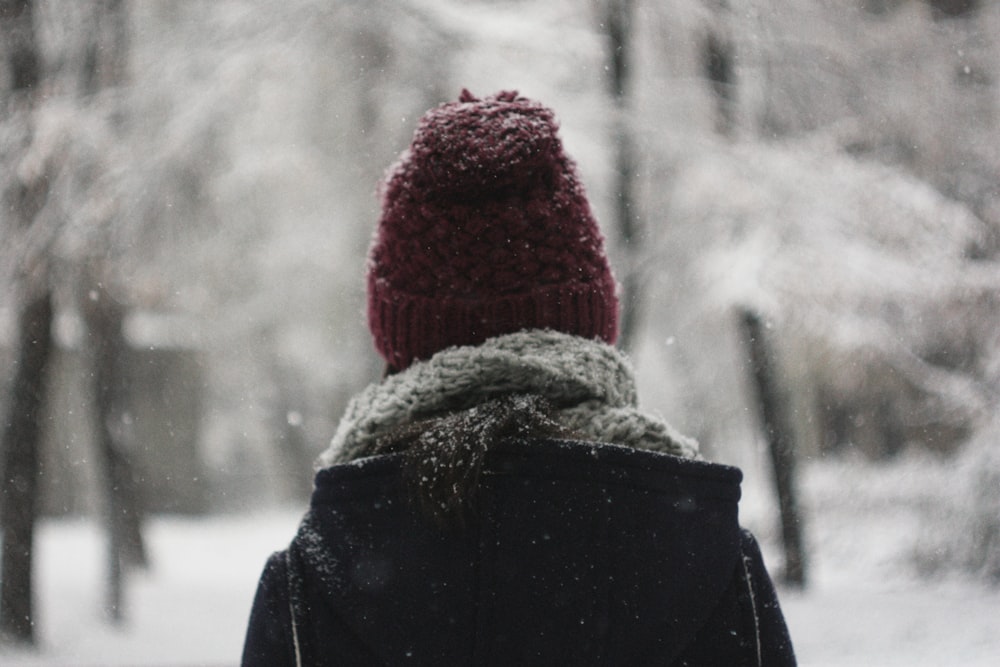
590 385
485 229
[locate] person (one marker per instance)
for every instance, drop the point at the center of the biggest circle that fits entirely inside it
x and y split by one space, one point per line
498 498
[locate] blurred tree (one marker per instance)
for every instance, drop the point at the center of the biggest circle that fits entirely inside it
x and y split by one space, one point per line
617 21
717 57
774 405
104 317
64 192
24 193
103 72
951 8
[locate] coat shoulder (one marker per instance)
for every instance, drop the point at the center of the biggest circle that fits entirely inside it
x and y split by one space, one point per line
269 633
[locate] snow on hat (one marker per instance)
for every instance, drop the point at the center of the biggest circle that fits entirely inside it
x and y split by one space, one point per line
485 230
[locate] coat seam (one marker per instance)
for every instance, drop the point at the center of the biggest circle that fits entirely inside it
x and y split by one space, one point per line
744 558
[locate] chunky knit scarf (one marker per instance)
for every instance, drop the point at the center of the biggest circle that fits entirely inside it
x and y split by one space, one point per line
590 385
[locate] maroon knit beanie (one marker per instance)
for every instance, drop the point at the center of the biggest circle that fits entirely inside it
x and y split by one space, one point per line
485 230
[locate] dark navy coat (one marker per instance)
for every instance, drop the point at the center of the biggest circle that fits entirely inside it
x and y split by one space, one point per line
579 554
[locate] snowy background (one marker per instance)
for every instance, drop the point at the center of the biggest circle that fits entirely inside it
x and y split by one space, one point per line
831 166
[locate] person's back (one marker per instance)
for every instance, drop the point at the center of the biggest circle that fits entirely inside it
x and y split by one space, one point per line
580 554
498 498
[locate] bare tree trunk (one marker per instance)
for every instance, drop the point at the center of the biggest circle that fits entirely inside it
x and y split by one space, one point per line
104 67
21 435
718 67
781 444
21 462
123 505
291 447
618 24
16 17
106 55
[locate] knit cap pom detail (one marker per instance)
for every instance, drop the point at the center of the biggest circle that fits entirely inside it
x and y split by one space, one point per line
472 148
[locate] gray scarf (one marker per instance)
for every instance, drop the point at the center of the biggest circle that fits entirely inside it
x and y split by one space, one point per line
590 384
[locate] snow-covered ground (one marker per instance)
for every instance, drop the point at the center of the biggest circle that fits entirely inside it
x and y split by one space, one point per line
189 608
865 605
882 591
